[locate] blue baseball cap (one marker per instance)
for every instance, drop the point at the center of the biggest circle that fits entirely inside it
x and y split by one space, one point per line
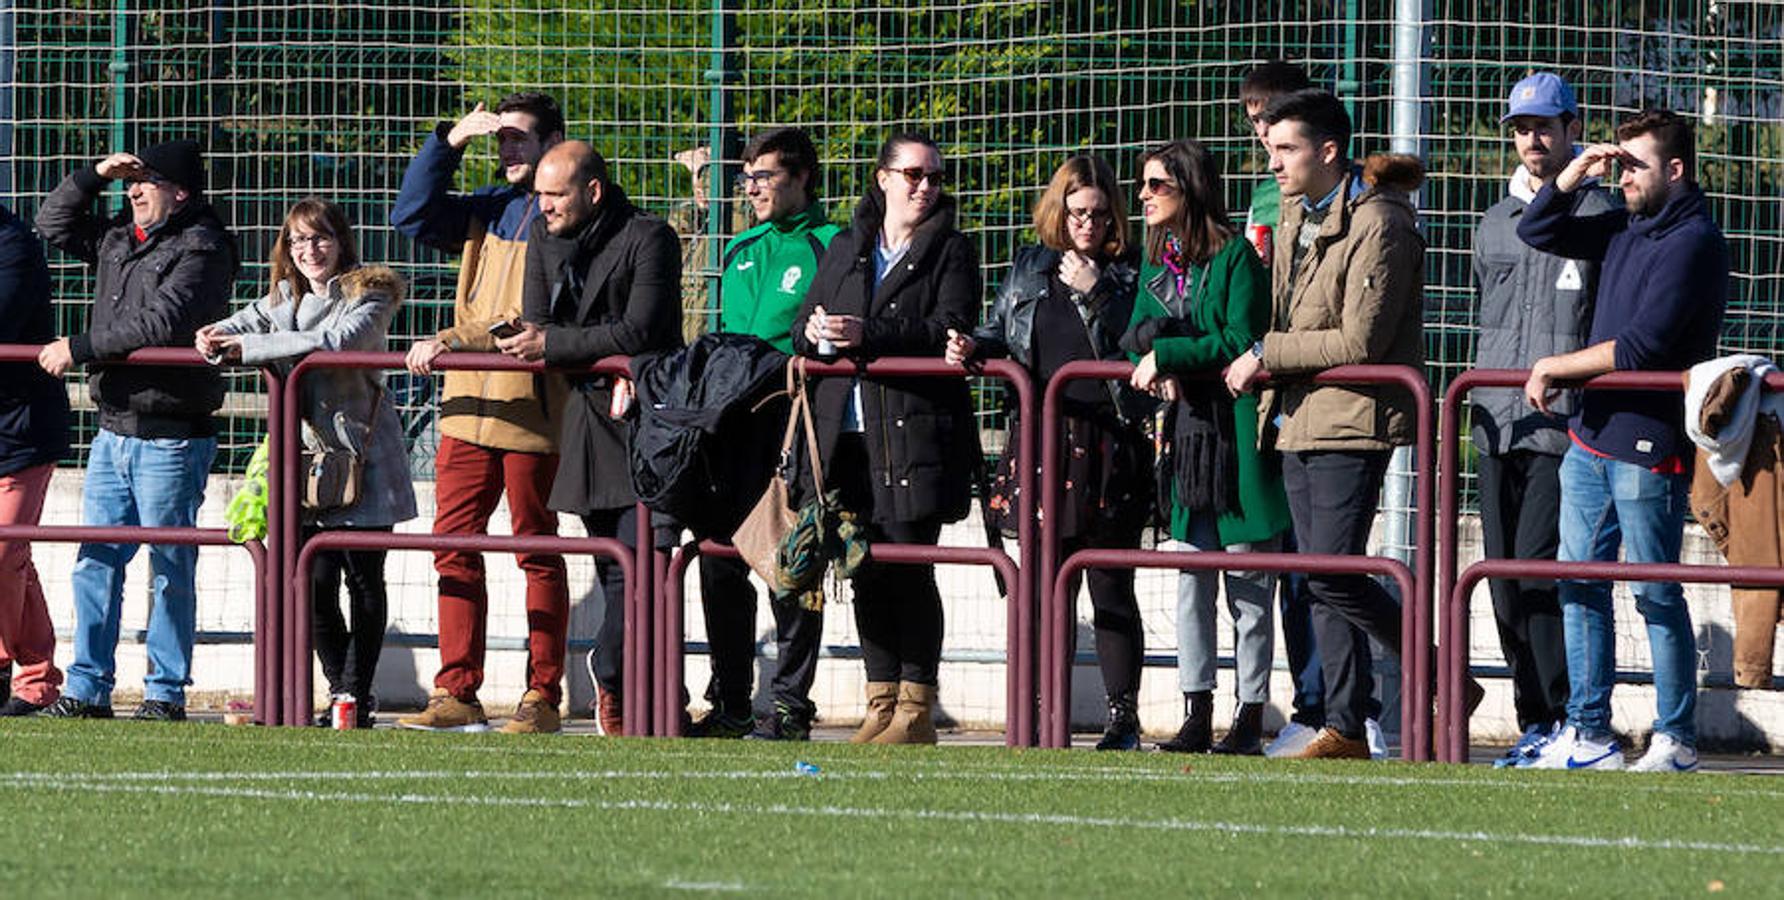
1543 94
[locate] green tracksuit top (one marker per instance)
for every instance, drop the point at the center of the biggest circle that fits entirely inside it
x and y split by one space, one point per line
767 272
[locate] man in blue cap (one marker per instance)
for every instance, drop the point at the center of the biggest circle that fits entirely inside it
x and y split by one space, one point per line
1532 304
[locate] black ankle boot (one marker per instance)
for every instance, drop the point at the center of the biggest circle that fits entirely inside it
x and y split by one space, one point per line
1247 735
1197 732
1123 732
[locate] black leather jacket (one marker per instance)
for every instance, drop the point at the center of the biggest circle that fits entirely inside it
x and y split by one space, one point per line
1009 331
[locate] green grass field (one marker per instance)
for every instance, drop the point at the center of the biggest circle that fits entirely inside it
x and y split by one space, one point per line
128 809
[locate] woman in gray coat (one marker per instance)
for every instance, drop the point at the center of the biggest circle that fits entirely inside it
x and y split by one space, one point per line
323 299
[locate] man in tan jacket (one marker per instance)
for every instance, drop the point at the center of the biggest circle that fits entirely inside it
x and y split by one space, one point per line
498 430
1346 279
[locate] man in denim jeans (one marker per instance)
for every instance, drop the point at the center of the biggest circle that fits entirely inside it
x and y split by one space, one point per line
1662 289
162 268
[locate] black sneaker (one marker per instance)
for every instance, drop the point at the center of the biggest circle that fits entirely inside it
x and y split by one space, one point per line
781 725
717 723
159 711
19 706
70 708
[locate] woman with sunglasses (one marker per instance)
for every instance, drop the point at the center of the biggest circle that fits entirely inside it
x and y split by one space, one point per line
1204 300
1066 299
323 299
902 451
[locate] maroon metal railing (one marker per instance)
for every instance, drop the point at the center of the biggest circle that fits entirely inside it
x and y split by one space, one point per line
669 698
638 653
606 548
1456 592
1021 585
268 611
1416 603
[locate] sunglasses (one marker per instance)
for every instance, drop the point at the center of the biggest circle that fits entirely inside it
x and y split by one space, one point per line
1087 216
916 175
1163 187
758 178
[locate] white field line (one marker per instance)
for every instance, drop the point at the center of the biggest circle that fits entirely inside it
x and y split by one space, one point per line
936 771
870 814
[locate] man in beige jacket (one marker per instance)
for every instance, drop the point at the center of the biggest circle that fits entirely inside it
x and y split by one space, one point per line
498 430
1346 280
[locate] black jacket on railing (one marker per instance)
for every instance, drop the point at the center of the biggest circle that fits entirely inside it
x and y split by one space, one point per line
922 442
33 405
153 293
611 288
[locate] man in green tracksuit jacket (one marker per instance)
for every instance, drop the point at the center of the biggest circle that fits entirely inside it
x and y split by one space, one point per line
767 270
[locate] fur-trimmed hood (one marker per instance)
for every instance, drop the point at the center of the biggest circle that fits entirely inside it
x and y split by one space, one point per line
367 280
1394 172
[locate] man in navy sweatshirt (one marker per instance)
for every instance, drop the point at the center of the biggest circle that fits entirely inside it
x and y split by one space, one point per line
1662 288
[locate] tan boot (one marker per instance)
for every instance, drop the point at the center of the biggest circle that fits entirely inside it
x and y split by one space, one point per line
914 721
882 696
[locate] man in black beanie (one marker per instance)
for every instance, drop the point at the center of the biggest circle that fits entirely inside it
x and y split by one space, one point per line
162 268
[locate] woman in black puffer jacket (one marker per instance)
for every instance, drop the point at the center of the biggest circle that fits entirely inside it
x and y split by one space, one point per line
901 451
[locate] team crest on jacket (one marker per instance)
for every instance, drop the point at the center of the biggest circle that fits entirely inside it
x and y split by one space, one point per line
790 279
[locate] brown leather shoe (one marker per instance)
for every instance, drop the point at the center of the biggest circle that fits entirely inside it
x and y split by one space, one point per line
608 713
534 716
882 697
1329 744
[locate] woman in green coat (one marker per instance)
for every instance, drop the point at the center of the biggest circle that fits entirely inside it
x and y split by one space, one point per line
1204 300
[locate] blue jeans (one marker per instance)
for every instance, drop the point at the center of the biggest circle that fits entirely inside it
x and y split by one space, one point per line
1605 503
152 483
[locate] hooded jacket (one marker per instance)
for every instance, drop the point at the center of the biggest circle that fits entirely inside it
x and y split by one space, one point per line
922 443
1356 299
610 288
1532 304
150 293
1661 295
343 409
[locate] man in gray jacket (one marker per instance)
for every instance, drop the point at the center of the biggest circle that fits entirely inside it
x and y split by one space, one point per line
1532 304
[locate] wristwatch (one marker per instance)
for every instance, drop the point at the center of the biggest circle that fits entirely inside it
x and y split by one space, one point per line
1257 350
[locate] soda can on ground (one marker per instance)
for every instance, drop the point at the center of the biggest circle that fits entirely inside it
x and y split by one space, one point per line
343 714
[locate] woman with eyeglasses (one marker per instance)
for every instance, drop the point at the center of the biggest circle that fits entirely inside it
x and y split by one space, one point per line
1070 298
902 451
1204 300
323 299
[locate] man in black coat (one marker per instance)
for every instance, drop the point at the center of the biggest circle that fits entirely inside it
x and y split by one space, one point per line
602 278
161 269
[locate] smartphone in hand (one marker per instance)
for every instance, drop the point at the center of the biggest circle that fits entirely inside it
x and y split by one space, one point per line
505 329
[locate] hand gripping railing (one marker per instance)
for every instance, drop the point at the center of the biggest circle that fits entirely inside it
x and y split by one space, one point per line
268 623
1056 662
1019 579
1457 591
297 697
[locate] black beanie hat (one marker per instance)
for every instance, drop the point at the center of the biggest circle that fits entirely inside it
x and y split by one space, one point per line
180 162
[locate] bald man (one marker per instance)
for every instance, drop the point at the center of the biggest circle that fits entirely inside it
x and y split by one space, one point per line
602 278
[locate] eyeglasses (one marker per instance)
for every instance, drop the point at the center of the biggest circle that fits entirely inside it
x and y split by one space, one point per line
1163 187
1087 216
314 241
916 175
759 178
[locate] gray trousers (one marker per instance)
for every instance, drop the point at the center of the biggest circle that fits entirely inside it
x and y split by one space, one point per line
1251 600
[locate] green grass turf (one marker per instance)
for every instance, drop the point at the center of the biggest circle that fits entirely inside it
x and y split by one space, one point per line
135 809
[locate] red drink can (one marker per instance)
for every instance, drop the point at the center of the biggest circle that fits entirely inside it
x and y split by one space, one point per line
343 714
1259 235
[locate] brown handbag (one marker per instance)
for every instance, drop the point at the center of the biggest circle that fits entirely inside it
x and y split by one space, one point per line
334 476
759 537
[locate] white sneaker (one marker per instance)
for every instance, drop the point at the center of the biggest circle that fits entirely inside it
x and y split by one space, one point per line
1666 754
1378 742
1572 750
1293 738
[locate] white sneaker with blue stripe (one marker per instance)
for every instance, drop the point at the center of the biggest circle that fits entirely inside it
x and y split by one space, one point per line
1528 747
1574 750
1667 754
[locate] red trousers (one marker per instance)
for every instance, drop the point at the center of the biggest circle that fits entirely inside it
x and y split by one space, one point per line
468 482
27 637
